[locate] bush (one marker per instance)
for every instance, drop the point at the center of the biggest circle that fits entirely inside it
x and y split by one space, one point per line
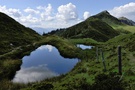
43 86
108 82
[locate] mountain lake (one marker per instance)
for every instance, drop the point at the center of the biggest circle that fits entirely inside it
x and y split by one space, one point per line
44 62
84 46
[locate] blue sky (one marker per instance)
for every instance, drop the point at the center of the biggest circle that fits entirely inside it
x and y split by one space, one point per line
63 13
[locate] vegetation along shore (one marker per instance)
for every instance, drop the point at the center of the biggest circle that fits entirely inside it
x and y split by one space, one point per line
98 67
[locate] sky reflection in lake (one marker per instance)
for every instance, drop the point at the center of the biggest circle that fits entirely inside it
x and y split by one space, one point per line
33 74
84 46
44 62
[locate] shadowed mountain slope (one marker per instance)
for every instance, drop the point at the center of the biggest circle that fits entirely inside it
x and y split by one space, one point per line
13 34
93 27
127 21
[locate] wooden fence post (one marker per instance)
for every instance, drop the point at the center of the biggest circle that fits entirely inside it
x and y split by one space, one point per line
86 56
97 54
103 60
119 60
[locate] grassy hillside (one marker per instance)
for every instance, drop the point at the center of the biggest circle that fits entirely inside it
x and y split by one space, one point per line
90 74
105 16
119 24
91 28
13 34
127 41
14 38
100 27
124 28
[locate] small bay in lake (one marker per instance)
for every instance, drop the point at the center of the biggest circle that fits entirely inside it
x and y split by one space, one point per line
84 46
44 62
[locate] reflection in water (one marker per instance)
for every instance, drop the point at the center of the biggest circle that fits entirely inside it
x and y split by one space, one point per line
49 47
44 62
33 74
84 46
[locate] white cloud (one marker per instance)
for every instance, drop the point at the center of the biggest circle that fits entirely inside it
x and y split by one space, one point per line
15 13
67 12
48 9
40 7
86 15
127 10
29 19
48 47
46 13
33 74
45 16
3 9
31 11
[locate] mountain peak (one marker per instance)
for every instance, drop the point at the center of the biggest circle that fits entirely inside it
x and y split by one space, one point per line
105 16
123 18
105 12
127 21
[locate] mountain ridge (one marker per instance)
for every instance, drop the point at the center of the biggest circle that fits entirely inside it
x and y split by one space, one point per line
108 18
122 26
127 21
100 27
13 34
93 27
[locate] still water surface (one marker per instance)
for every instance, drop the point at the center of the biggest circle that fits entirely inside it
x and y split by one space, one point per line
44 62
84 46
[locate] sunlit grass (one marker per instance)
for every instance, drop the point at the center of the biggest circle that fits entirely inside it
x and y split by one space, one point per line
125 27
86 70
86 41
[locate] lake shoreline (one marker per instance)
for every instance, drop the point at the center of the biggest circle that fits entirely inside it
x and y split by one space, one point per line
82 73
42 63
66 49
